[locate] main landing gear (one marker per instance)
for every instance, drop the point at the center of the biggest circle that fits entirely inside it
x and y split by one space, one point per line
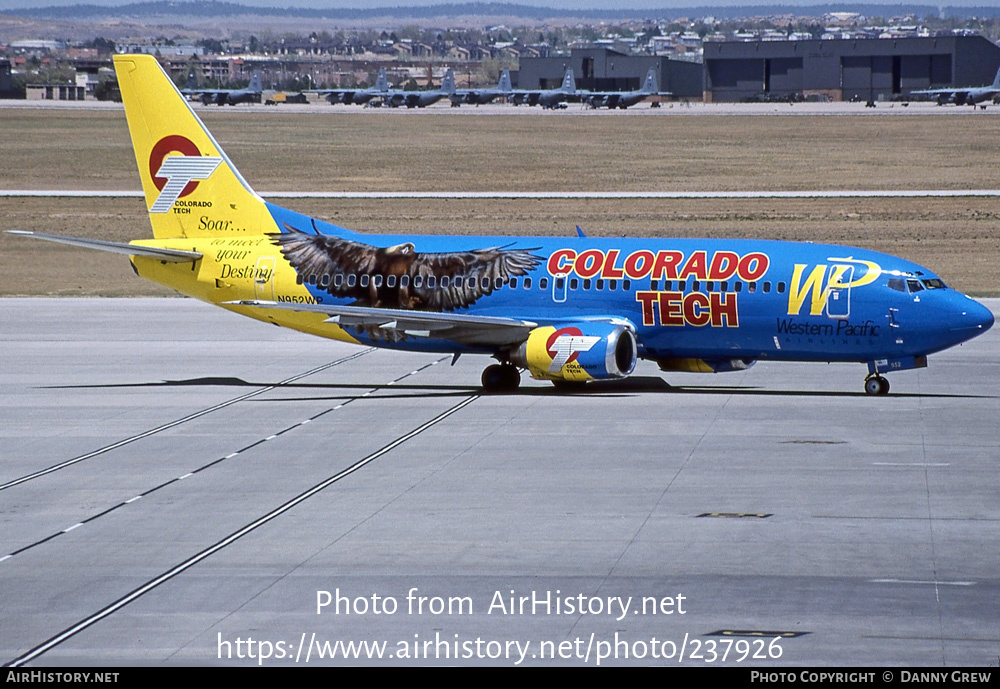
503 377
876 385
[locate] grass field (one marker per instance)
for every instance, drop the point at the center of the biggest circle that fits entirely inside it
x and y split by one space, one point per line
411 151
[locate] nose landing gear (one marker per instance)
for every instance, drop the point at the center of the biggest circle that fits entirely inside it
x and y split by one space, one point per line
876 385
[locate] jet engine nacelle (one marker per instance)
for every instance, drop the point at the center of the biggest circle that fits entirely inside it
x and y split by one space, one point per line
578 351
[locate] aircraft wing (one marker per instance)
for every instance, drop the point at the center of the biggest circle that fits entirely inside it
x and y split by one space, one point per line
396 324
935 92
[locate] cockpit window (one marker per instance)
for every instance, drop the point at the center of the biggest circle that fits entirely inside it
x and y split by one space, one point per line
933 283
897 284
914 285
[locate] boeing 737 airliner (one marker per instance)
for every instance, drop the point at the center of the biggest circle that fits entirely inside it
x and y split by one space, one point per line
566 310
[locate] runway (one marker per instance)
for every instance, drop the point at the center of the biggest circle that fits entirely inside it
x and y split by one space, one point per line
182 486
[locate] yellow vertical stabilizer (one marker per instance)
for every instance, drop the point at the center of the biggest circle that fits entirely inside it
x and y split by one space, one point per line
191 187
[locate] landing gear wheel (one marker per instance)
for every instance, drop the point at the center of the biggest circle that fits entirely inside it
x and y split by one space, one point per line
876 385
501 378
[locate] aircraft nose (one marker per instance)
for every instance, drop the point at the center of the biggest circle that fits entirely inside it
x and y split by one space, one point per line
973 318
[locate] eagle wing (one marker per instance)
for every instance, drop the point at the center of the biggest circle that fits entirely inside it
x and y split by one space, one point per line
469 275
460 278
319 258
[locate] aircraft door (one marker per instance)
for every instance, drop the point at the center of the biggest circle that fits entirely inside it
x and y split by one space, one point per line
838 301
559 288
263 279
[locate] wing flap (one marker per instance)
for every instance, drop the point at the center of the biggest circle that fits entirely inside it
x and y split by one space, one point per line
461 328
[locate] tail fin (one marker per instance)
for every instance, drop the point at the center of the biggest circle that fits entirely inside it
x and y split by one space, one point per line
255 83
650 85
192 189
382 82
569 82
504 84
448 83
996 80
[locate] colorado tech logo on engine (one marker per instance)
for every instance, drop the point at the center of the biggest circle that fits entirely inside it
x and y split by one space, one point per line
178 175
670 308
565 345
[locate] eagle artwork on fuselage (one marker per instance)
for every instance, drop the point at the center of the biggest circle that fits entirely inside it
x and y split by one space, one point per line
567 310
399 277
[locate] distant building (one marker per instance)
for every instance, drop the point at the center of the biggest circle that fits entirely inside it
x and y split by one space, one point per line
77 91
863 69
603 69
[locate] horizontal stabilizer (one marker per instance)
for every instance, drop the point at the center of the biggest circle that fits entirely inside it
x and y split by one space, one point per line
168 255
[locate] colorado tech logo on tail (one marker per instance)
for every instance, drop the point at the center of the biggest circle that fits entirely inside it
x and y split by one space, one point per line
177 175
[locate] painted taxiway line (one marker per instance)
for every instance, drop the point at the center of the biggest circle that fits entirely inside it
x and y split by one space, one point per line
551 195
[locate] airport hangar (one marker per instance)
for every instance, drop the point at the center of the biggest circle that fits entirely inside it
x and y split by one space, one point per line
843 70
603 69
839 70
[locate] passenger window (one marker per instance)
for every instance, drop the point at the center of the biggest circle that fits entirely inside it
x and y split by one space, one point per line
458 281
600 284
586 284
527 283
626 285
738 287
560 283
652 285
445 281
352 279
390 281
695 286
324 280
365 279
781 288
431 282
573 284
404 280
497 283
418 281
767 287
724 286
377 280
751 287
513 283
612 285
299 279
709 286
543 283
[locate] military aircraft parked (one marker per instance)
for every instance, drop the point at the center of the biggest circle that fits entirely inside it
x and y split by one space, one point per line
483 96
624 99
421 99
250 94
966 95
548 98
356 96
